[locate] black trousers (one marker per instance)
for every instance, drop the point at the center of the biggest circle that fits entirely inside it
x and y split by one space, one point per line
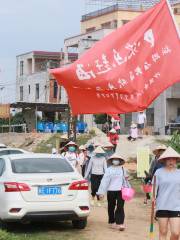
95 183
114 147
83 170
115 207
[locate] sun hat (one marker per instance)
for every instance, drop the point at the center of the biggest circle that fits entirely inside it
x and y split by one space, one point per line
169 153
159 148
82 147
116 156
113 130
97 144
107 145
99 150
71 143
133 125
64 136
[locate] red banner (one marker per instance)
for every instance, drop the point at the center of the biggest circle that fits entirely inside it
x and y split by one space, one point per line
128 69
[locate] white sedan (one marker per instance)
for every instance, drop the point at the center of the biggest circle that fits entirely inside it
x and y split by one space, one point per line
8 151
34 187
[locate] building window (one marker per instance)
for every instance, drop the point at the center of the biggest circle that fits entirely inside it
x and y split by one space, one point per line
90 29
128 119
29 89
150 117
55 90
178 112
124 22
37 91
21 93
21 68
106 25
115 24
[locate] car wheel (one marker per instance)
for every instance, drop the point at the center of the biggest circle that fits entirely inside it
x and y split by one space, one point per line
79 224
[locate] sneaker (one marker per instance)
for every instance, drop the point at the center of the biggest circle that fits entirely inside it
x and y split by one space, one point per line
113 226
122 227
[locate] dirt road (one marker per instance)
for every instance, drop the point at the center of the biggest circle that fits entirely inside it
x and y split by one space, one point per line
137 222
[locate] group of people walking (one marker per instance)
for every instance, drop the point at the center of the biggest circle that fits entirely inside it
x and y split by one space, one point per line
103 168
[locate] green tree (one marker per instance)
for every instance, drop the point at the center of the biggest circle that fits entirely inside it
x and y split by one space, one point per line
100 118
18 118
175 141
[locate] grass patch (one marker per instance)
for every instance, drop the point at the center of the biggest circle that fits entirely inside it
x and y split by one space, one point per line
136 184
40 231
46 146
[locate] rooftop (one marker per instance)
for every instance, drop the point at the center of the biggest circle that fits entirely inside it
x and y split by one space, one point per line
48 54
125 5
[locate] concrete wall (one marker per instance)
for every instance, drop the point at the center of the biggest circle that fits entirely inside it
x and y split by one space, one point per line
42 79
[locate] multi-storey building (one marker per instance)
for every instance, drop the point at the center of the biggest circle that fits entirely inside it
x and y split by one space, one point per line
34 84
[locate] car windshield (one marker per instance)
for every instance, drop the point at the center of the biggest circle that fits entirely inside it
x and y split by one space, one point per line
41 165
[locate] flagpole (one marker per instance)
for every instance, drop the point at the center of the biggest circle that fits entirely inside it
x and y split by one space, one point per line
173 18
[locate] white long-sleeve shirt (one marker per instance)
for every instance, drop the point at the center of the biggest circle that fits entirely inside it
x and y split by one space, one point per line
96 166
113 180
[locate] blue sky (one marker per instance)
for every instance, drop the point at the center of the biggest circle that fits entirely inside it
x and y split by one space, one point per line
27 25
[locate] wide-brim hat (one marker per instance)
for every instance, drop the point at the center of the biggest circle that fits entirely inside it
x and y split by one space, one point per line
82 147
133 125
169 153
99 150
108 145
97 144
116 156
113 130
64 136
71 143
159 148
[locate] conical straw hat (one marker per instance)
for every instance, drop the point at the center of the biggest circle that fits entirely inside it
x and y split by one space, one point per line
99 150
107 144
71 143
159 148
169 153
82 147
116 156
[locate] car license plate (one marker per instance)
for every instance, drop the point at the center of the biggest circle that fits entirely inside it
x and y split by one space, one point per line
49 190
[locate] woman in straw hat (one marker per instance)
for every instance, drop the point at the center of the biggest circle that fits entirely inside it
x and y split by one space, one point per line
96 168
112 183
82 158
167 181
108 148
155 164
71 153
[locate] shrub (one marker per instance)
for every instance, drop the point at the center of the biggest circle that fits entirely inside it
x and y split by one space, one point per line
175 142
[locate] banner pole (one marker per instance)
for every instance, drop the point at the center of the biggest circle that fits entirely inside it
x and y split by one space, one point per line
173 18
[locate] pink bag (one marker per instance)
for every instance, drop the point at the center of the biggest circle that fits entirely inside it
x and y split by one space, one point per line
127 193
